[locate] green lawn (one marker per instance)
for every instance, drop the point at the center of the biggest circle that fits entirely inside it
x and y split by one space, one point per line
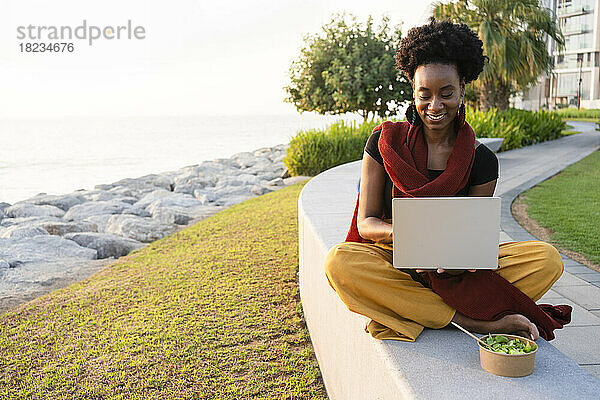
569 205
212 311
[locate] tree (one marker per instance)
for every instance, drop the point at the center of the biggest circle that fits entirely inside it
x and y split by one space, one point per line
514 38
349 68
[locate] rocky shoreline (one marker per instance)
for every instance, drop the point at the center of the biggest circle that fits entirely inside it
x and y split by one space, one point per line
50 241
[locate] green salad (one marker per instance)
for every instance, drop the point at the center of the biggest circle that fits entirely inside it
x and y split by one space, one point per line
502 344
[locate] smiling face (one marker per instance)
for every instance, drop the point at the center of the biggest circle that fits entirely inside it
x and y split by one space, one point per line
438 91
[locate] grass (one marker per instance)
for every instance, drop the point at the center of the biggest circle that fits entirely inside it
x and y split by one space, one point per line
212 311
569 205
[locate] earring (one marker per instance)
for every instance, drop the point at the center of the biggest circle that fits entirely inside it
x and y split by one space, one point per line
461 115
412 116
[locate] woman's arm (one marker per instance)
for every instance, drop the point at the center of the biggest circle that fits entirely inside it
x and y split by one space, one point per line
370 205
484 190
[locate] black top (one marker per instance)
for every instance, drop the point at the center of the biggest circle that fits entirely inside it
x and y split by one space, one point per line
485 169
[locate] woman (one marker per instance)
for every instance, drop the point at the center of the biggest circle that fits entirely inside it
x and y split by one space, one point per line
434 153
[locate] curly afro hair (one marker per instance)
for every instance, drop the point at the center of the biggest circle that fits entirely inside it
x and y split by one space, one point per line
441 42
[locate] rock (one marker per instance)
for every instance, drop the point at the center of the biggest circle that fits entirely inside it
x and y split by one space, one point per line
190 184
223 192
64 202
22 210
172 215
124 191
85 210
3 206
260 190
144 230
126 199
6 222
44 248
174 199
244 159
204 196
148 198
106 245
238 180
99 220
61 228
19 232
234 199
4 264
151 181
276 182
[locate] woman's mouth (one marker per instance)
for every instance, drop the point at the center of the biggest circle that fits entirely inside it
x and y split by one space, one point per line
436 117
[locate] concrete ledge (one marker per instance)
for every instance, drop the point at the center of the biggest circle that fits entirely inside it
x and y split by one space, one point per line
440 364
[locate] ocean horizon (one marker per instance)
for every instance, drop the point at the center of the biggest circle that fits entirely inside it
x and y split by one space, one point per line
61 155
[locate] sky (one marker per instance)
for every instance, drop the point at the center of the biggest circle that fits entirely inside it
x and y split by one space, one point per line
193 57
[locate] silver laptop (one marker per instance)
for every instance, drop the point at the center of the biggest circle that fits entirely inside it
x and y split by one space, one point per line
446 232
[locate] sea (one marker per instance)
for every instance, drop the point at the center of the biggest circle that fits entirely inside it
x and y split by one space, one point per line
60 155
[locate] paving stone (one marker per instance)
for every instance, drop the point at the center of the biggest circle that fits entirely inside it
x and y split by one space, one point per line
581 343
582 317
568 279
589 277
587 296
593 369
552 297
579 269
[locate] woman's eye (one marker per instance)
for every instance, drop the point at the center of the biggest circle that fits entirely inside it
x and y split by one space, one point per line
423 97
447 95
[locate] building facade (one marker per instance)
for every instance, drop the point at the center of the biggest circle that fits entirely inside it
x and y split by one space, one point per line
575 78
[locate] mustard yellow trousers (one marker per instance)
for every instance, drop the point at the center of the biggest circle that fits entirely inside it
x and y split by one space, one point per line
399 307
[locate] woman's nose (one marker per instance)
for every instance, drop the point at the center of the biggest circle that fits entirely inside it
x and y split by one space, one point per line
435 104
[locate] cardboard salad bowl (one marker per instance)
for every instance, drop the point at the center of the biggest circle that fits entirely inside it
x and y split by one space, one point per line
512 365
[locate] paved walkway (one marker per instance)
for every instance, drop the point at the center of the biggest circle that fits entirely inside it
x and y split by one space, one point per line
579 286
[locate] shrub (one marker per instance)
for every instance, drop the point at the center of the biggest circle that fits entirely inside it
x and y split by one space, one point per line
518 127
313 151
581 113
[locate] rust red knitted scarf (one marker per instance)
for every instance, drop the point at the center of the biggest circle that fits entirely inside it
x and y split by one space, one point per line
404 152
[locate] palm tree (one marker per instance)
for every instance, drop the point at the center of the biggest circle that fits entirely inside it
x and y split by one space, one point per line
514 35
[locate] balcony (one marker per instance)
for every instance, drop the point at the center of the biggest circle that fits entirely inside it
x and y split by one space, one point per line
573 9
574 64
570 30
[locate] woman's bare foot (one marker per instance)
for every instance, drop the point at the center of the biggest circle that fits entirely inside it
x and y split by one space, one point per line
515 323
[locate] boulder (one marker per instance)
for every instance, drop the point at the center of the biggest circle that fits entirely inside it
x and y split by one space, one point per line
151 181
3 206
22 210
276 182
144 230
234 199
106 245
64 202
204 196
174 200
61 228
238 180
20 231
99 221
27 221
85 210
183 216
148 198
259 190
42 249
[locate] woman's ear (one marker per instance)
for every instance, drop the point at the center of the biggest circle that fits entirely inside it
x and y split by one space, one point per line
462 88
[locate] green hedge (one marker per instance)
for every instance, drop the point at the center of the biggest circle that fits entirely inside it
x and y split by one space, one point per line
518 127
313 151
572 112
